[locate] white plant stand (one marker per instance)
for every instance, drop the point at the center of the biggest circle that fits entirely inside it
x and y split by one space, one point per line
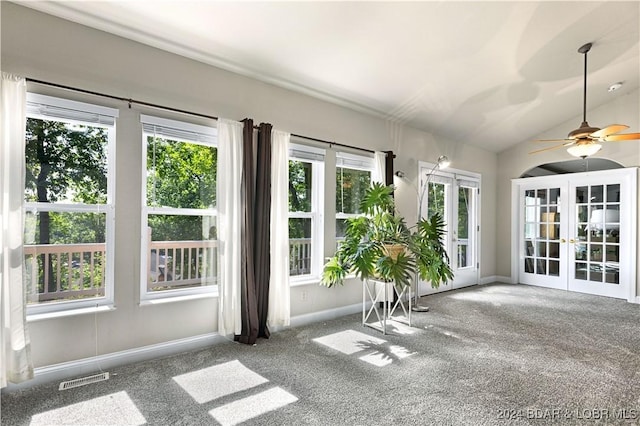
376 292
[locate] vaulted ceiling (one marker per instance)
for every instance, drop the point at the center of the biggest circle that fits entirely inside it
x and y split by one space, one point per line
492 74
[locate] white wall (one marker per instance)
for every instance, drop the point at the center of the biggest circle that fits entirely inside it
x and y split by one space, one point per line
43 47
623 109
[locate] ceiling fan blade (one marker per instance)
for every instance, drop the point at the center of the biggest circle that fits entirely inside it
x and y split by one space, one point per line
551 148
553 140
623 137
609 130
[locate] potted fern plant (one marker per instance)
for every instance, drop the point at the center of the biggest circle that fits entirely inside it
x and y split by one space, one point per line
379 245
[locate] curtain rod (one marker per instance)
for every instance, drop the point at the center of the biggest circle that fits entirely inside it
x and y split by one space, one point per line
332 143
119 98
181 111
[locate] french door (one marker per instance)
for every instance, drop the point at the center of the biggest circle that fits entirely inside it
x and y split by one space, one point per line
578 232
455 195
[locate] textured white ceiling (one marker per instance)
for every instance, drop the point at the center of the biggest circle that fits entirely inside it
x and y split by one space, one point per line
491 74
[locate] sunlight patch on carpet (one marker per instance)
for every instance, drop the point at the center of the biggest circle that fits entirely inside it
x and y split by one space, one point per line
377 358
397 327
253 406
221 380
114 409
386 355
380 352
400 352
349 341
496 298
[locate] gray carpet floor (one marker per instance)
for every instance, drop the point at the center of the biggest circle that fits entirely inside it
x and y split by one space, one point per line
493 354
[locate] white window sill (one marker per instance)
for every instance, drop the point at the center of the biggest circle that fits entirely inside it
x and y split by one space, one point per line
182 298
304 281
314 280
70 312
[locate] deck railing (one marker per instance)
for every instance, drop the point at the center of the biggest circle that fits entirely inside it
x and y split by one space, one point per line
64 271
299 256
75 271
180 264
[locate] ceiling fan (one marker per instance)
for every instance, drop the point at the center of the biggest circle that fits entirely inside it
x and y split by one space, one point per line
584 141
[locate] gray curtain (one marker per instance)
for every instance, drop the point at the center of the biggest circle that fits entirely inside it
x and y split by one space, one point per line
262 220
256 198
249 311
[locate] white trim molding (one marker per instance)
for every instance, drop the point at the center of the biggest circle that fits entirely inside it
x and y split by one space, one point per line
86 366
496 279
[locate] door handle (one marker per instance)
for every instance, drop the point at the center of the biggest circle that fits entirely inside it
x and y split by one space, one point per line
572 241
562 240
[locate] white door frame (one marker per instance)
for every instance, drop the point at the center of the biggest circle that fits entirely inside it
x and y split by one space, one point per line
425 288
628 176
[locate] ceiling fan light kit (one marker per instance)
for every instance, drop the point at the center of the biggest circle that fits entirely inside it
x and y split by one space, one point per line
584 141
584 150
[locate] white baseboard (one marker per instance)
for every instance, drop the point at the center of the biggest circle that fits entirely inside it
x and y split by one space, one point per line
326 315
496 279
86 366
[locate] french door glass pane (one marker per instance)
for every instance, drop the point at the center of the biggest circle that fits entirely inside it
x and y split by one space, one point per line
464 201
597 233
542 231
437 201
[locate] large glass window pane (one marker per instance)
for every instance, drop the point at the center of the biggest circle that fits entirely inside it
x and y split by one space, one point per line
67 198
181 250
64 255
300 175
65 163
306 189
351 185
180 174
350 188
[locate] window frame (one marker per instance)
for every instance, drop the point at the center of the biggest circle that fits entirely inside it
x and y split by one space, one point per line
54 108
316 157
184 132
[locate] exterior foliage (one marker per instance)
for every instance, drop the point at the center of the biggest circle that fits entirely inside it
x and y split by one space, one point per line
180 175
365 253
66 164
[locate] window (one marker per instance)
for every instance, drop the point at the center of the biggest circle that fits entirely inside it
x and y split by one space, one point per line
69 211
353 177
306 194
179 217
